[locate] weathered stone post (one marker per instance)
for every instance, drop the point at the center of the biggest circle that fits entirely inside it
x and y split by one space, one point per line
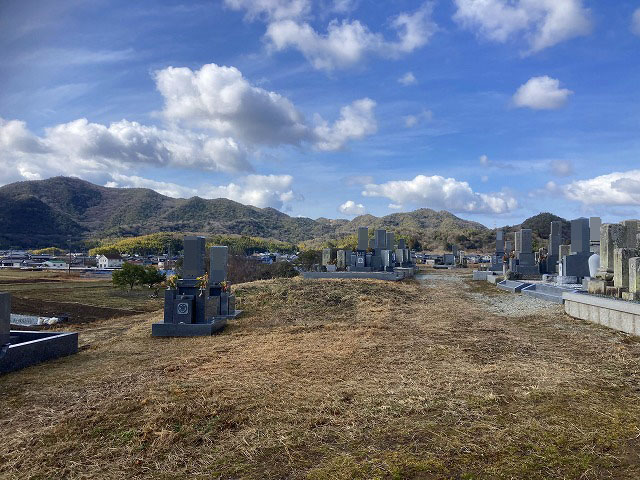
612 236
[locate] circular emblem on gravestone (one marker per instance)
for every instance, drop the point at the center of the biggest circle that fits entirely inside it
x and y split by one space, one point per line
183 308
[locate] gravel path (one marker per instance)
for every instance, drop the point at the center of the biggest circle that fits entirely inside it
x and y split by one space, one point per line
515 304
502 303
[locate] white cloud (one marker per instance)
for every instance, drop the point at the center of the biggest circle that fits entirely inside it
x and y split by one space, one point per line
352 208
271 9
484 160
347 43
90 149
441 193
395 206
411 121
617 188
541 93
562 168
344 6
165 188
355 122
258 190
222 100
543 23
408 79
635 22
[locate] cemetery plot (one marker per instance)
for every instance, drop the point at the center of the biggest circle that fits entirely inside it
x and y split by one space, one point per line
336 379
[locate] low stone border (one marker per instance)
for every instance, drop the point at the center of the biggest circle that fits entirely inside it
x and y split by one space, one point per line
610 312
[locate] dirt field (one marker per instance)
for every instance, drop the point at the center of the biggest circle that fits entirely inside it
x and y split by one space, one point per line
333 379
83 299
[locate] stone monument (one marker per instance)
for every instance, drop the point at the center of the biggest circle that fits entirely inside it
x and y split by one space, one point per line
198 304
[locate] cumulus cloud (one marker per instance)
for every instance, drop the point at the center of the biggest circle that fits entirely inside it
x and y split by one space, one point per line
394 206
543 23
352 208
408 79
348 42
84 148
617 188
220 99
635 22
441 193
355 122
271 9
541 93
258 190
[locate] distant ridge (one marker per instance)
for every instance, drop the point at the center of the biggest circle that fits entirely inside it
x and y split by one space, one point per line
43 213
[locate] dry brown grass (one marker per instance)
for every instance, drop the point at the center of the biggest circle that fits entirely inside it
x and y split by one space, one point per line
333 379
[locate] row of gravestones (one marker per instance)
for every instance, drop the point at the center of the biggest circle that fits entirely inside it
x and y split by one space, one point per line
618 274
371 255
571 261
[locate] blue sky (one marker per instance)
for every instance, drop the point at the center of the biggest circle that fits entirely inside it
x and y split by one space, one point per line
494 110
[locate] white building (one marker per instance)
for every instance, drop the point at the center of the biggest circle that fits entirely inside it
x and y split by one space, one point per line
55 264
110 260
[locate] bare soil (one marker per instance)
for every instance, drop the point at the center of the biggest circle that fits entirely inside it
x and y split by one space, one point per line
334 379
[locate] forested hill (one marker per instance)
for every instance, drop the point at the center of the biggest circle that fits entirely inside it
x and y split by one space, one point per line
51 212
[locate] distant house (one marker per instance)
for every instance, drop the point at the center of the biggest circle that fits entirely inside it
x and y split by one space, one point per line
109 260
55 264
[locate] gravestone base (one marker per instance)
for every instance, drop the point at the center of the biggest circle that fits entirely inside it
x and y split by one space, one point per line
566 280
527 269
615 292
630 296
598 286
188 329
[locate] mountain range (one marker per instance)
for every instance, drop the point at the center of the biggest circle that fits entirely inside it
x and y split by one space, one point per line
64 210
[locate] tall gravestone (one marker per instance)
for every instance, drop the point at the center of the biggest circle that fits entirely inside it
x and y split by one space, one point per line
612 236
380 238
391 241
576 264
363 238
526 264
193 261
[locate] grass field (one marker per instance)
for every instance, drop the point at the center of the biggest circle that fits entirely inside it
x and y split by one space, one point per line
333 379
83 299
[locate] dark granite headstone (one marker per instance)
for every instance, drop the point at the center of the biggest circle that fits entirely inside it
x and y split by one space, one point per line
5 317
193 263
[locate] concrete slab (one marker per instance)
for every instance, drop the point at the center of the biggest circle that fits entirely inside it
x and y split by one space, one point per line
549 293
494 279
512 286
610 312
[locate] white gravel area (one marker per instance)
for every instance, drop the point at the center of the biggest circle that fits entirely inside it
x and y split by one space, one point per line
515 304
503 303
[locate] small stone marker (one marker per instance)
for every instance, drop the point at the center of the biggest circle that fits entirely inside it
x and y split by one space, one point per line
634 277
621 258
